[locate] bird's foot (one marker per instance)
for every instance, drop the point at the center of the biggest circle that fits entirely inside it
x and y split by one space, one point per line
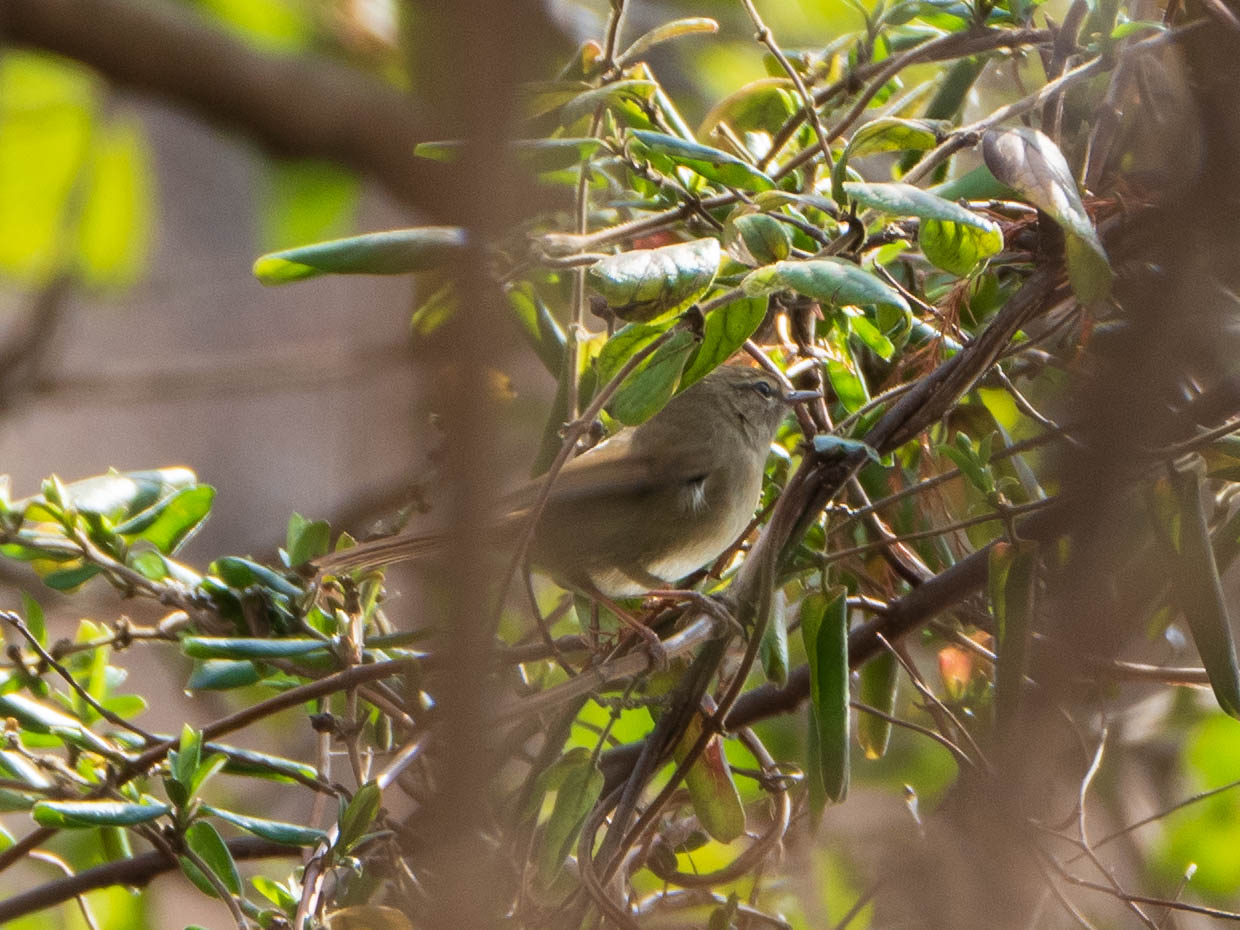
712 607
659 657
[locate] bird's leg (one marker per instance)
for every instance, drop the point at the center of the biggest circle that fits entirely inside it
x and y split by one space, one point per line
654 645
708 605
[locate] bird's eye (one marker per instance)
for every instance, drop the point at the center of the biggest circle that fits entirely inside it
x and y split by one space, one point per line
764 388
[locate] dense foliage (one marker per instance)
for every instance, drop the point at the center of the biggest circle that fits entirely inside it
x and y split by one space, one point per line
1005 521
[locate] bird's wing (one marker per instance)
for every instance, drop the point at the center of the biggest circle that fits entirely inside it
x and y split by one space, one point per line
618 466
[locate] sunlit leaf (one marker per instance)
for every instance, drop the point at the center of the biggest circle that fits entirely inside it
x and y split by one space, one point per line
616 94
306 539
651 385
306 201
696 25
885 134
756 239
832 280
725 331
47 115
398 251
1030 163
760 107
203 840
642 284
78 814
287 834
824 628
118 496
223 647
539 327
170 523
666 151
114 226
270 24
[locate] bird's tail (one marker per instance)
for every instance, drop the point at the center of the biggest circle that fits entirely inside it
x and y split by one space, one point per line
375 553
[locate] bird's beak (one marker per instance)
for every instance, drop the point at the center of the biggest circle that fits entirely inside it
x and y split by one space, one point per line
799 397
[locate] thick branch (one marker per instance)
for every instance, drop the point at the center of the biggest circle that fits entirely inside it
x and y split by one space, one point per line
133 872
291 105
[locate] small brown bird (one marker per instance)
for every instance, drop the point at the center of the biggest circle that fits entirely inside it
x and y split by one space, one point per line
647 506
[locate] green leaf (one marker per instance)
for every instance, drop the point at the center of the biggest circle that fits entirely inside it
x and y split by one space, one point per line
70 578
173 521
826 444
579 789
306 200
224 647
212 851
824 628
1200 591
725 331
184 760
240 574
288 834
77 814
222 675
978 184
893 134
623 345
848 386
651 385
642 284
48 109
761 106
39 718
773 650
1030 163
712 790
831 280
357 816
114 228
116 496
306 539
540 154
150 563
970 464
951 237
398 251
275 892
616 95
34 618
261 765
885 134
666 152
271 25
696 25
756 239
878 688
869 334
1013 587
539 327
957 247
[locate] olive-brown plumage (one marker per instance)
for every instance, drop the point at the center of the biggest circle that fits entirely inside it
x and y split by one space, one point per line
647 506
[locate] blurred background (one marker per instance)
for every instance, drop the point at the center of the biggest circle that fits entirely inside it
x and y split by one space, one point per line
136 189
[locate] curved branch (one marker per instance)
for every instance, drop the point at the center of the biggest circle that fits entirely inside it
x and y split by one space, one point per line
291 105
134 872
